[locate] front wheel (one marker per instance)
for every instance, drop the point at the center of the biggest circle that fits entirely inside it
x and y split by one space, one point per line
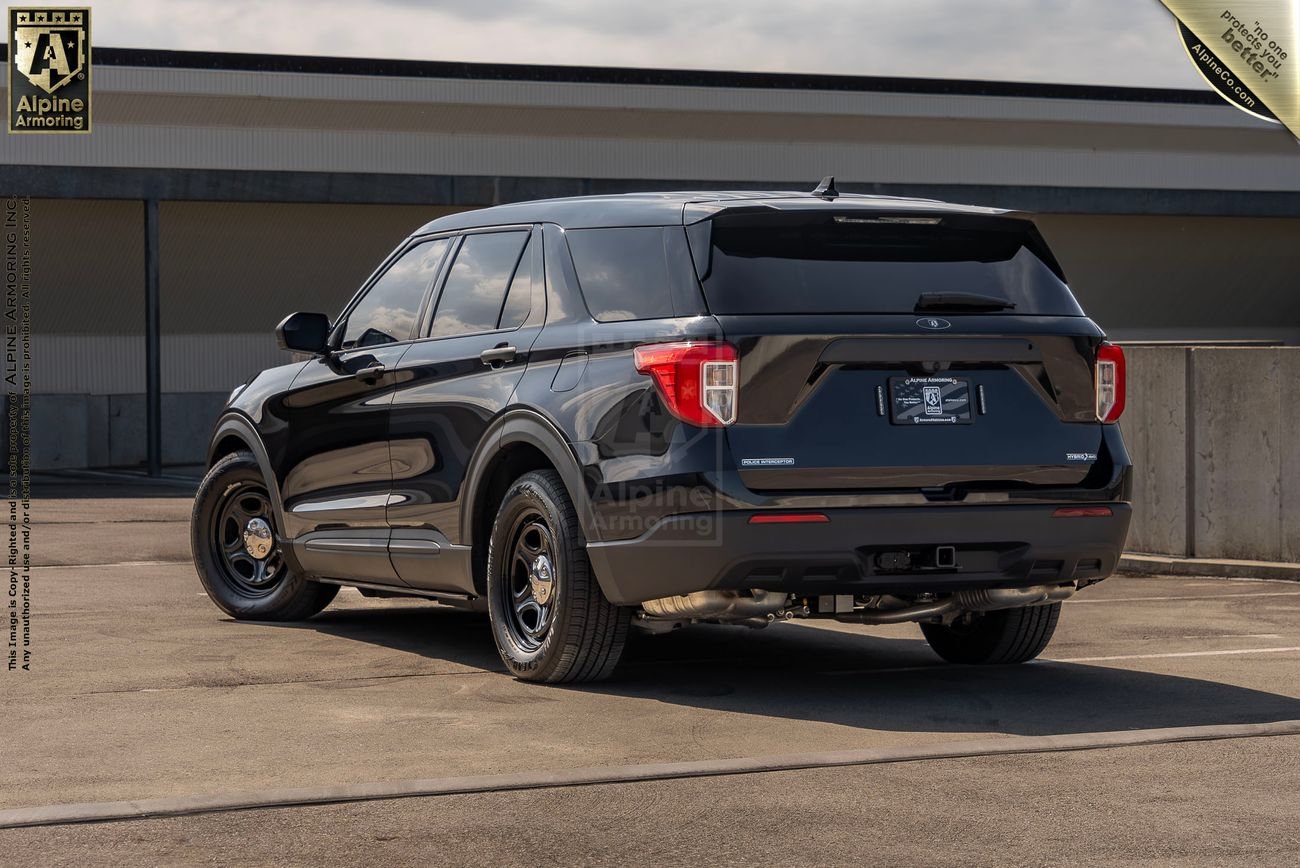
1004 636
549 617
237 550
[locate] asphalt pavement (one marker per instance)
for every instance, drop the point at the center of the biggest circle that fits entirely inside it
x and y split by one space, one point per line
142 689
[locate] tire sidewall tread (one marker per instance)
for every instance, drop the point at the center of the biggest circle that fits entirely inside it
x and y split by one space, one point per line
588 634
295 598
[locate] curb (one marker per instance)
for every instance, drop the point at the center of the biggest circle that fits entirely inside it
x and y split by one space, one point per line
182 806
1150 565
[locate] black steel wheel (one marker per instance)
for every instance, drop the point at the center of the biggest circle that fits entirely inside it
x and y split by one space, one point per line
238 553
531 581
550 619
245 541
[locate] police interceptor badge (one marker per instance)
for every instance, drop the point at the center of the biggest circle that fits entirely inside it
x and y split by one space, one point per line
49 70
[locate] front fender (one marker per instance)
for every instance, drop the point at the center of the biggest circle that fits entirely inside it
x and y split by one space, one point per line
239 427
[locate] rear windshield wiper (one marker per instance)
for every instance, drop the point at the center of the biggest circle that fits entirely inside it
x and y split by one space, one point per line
961 301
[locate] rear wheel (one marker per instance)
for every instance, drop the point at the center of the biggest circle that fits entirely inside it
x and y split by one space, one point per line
550 619
1005 636
237 550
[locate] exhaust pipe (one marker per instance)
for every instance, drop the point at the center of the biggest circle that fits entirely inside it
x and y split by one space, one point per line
718 605
993 599
981 600
921 612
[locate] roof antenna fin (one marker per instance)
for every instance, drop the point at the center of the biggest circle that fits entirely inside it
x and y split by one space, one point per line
826 189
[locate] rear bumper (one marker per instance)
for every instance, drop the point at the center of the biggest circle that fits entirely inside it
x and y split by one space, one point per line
996 546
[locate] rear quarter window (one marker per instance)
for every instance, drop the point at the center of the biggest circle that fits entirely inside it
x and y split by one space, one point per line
623 272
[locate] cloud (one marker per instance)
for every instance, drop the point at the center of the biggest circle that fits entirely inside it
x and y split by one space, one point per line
1072 41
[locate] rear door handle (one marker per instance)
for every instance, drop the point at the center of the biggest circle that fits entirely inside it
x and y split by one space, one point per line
371 374
498 355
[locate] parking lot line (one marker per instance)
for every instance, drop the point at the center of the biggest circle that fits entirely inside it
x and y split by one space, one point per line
111 564
1175 654
139 809
1076 601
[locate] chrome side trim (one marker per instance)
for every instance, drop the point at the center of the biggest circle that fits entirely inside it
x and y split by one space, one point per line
351 546
369 501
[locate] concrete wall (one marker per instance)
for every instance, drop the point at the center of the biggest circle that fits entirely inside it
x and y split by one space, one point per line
1217 463
79 431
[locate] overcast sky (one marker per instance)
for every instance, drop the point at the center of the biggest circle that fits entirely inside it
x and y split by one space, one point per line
1125 42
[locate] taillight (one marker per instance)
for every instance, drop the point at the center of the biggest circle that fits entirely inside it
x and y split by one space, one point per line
1110 382
697 379
788 518
1083 512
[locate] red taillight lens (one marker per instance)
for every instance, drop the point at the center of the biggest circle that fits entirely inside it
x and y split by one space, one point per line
1110 382
697 379
788 518
1083 512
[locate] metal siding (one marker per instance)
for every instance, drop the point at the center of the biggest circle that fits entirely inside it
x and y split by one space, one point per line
314 122
238 267
1186 277
114 364
935 163
344 88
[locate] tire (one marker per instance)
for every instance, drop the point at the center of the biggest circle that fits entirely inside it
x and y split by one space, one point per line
549 617
229 497
1006 636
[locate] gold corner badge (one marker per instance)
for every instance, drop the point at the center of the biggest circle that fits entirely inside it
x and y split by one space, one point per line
49 70
1246 51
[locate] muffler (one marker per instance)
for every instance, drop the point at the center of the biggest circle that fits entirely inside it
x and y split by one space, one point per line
993 599
717 605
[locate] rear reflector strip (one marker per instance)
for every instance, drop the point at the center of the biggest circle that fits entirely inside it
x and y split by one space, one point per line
788 518
1083 512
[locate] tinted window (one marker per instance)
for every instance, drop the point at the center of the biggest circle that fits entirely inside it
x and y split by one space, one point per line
519 299
623 272
476 285
820 263
386 313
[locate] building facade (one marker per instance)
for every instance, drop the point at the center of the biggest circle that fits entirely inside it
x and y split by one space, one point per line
278 183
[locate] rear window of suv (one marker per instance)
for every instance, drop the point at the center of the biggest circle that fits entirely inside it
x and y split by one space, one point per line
865 264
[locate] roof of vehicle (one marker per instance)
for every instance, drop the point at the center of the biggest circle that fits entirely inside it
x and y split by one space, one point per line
676 208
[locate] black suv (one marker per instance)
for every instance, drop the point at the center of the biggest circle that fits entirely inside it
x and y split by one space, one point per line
589 414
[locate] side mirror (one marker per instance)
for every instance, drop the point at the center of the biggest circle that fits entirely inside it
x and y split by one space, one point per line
303 332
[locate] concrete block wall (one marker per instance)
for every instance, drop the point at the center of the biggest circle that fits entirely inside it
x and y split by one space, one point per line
79 431
1155 431
1213 436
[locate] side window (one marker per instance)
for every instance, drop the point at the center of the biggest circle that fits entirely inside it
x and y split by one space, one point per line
476 285
387 312
623 273
519 298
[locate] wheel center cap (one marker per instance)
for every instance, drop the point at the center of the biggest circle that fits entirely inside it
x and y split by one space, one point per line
257 538
541 578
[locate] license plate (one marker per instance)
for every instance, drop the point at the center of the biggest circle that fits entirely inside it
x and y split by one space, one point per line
930 400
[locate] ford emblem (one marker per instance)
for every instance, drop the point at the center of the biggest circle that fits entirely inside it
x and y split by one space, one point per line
933 323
